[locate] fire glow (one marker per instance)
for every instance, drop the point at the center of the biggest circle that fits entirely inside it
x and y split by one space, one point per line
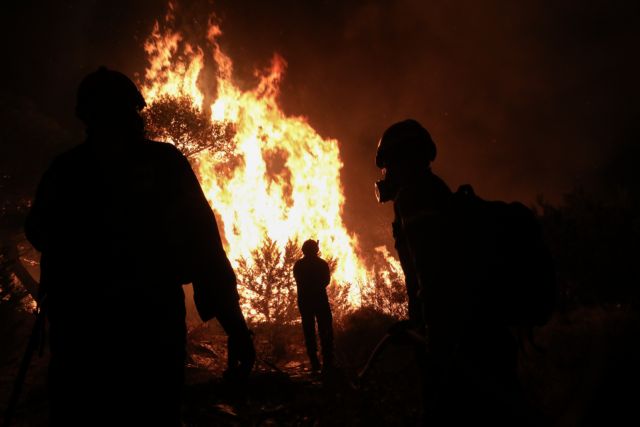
286 182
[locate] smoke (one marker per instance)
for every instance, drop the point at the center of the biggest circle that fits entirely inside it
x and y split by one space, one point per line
522 98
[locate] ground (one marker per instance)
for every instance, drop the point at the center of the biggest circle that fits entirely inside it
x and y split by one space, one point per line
585 374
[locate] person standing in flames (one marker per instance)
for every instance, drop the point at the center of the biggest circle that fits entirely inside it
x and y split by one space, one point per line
312 275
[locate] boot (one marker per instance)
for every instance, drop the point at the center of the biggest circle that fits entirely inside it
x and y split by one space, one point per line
315 363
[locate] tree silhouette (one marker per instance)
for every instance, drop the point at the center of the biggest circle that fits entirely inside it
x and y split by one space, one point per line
267 281
176 119
388 294
596 244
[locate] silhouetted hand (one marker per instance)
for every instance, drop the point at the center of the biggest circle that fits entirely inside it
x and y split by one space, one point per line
241 356
241 353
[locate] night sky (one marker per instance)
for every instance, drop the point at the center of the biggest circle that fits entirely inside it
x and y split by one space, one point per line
522 98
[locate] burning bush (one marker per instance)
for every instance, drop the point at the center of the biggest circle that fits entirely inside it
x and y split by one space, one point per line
268 291
388 293
387 297
269 294
268 287
267 283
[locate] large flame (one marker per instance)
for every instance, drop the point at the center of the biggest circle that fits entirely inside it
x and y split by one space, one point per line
286 182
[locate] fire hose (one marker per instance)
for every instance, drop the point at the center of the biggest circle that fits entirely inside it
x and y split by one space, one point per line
400 332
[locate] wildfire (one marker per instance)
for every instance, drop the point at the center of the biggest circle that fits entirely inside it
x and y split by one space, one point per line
284 182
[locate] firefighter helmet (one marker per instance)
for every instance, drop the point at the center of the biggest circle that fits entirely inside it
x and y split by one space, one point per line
105 92
403 141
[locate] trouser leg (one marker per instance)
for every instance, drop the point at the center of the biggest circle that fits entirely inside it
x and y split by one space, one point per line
309 330
325 330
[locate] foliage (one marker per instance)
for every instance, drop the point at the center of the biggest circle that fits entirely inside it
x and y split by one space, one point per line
177 120
268 286
594 233
6 279
388 294
338 294
267 281
12 293
596 245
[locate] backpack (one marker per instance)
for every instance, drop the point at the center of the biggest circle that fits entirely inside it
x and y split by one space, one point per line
507 251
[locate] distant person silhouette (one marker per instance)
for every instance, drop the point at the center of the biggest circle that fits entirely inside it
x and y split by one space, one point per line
312 275
470 371
122 224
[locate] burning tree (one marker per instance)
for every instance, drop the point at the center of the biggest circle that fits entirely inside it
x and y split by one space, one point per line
298 194
176 119
338 297
283 183
269 293
268 283
269 287
388 293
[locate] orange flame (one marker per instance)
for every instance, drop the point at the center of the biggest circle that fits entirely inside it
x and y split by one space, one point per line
286 184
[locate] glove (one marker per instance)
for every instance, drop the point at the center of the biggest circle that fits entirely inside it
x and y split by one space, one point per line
241 354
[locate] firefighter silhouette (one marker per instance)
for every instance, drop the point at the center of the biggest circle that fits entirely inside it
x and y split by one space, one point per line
470 366
312 275
122 224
